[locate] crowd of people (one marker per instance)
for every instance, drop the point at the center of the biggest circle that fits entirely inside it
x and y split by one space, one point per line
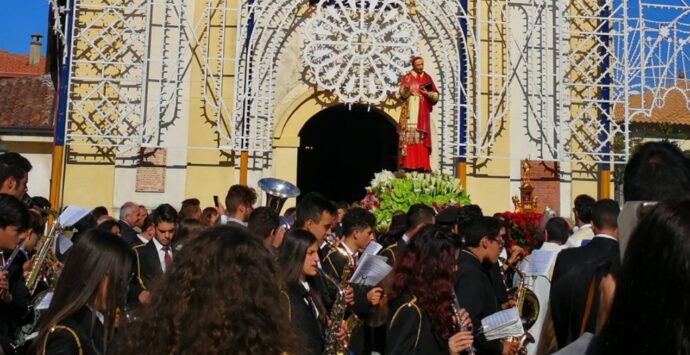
240 279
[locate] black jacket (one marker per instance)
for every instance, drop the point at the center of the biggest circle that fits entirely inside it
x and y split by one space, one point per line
409 330
393 252
477 294
146 269
128 233
81 330
572 275
308 328
16 313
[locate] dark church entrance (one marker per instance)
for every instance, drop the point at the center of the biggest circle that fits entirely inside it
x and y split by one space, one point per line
341 149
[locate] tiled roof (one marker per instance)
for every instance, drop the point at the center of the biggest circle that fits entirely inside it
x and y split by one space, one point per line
14 65
673 109
26 104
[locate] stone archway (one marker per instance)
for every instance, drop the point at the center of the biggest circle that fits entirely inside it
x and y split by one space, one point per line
341 148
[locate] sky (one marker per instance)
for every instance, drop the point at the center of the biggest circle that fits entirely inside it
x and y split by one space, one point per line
20 19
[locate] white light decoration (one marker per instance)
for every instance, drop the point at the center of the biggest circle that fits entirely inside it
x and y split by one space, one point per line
359 49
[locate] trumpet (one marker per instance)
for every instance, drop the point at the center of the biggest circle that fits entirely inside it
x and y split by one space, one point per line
44 258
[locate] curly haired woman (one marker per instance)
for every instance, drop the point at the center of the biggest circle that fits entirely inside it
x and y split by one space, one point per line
221 296
421 318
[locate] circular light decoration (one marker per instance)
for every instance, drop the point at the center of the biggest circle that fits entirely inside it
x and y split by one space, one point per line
359 48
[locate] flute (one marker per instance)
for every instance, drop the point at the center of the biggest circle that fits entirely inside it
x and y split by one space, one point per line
459 324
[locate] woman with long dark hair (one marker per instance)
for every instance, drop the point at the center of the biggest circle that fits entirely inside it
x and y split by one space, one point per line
220 296
88 296
298 260
650 313
421 317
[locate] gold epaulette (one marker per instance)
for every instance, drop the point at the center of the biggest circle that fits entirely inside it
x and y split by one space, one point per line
69 330
390 249
411 304
328 260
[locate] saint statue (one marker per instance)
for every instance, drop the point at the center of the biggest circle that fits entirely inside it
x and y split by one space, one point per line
419 93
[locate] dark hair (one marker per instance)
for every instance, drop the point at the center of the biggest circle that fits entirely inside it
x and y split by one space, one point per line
342 205
164 213
311 207
108 226
148 222
419 214
467 213
557 230
40 202
262 221
290 211
656 171
357 219
13 165
292 253
206 215
605 214
583 205
476 229
187 231
227 301
237 195
36 223
13 212
649 314
427 270
99 211
189 206
97 255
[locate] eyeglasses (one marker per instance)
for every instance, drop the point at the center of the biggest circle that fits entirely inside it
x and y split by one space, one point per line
499 240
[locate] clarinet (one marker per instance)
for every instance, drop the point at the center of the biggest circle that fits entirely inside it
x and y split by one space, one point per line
459 326
9 261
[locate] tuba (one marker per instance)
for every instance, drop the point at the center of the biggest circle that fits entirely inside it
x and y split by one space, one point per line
277 192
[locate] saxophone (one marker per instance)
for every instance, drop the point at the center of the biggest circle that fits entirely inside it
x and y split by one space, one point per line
332 346
45 261
353 321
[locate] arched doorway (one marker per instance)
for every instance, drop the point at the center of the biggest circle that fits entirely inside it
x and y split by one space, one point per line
341 149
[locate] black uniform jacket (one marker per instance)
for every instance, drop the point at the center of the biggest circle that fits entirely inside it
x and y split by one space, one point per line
409 330
81 333
303 320
476 293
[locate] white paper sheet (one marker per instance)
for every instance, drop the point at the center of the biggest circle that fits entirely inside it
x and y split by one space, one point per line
72 215
371 270
502 324
45 302
540 262
373 248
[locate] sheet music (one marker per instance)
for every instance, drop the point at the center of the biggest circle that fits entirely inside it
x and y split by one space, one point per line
540 262
373 248
506 323
63 243
371 270
45 302
72 215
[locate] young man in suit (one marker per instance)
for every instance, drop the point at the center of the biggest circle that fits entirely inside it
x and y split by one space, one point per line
473 287
579 270
14 174
239 204
582 233
358 227
155 257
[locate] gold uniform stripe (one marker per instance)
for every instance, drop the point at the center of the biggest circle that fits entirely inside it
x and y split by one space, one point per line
288 304
68 329
410 304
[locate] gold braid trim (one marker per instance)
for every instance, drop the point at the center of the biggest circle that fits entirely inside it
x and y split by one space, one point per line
288 304
419 313
141 282
69 330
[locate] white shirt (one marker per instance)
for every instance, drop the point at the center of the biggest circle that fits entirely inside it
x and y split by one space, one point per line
224 219
583 233
143 240
161 253
306 287
605 236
